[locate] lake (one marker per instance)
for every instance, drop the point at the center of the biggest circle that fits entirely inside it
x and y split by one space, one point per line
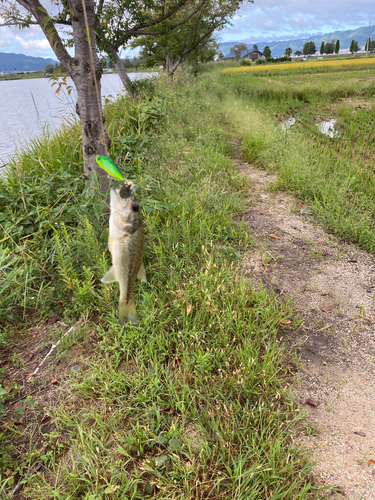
22 100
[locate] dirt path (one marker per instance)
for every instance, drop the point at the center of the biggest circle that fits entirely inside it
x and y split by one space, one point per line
332 285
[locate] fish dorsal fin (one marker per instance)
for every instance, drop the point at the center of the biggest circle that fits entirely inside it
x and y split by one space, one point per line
110 276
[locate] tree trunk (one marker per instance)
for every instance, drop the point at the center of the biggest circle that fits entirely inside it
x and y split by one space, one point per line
86 75
85 71
122 73
171 64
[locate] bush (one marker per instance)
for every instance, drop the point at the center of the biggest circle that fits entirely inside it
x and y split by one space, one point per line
278 59
145 86
245 62
261 61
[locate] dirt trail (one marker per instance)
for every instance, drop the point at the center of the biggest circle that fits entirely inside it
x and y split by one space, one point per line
332 285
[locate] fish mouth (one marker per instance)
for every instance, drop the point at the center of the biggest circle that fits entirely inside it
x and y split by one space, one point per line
127 190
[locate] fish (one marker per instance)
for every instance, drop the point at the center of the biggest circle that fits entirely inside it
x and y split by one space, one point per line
109 166
126 244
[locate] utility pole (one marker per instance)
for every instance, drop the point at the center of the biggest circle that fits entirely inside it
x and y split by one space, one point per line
368 38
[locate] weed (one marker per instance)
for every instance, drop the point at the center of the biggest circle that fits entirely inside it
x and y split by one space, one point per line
17 360
343 382
345 341
362 460
330 406
333 174
317 254
313 288
190 403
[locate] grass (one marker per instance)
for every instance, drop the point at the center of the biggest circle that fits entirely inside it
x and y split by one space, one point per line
193 402
334 175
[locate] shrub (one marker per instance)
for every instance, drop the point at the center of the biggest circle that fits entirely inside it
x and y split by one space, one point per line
245 62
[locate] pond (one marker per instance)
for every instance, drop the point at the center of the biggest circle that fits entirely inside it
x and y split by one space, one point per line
29 107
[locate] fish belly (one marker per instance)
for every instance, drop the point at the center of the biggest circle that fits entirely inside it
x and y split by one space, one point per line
127 256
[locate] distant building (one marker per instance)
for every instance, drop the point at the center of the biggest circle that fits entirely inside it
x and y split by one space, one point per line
253 55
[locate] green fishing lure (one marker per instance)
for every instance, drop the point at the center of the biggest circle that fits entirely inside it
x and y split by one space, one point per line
109 166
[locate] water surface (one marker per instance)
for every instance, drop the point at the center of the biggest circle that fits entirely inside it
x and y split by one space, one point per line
28 107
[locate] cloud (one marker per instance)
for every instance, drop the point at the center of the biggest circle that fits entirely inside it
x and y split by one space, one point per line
33 44
3 43
272 19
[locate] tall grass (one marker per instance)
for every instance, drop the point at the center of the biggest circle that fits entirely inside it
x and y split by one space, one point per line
192 402
334 175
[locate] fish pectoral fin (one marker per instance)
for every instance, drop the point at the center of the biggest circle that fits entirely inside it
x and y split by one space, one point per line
142 273
110 276
127 311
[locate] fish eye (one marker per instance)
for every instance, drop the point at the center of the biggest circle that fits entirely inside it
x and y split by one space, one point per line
136 206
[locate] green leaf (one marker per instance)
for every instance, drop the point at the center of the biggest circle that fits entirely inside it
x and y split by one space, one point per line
42 9
174 444
2 391
161 460
121 450
161 439
110 489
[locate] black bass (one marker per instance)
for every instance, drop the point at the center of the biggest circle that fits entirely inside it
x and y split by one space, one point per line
126 244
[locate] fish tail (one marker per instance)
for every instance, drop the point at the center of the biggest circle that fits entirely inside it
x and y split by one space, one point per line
127 311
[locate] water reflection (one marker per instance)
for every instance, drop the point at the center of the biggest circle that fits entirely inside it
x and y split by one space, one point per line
30 107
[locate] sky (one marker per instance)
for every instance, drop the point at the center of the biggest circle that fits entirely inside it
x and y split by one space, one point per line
269 20
259 21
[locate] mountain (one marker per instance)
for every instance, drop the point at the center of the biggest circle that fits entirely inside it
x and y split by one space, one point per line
278 47
20 62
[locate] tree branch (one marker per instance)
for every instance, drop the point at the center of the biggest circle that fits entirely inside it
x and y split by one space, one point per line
138 27
100 7
133 31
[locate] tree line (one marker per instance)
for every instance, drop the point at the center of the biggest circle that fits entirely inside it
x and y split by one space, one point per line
309 48
332 47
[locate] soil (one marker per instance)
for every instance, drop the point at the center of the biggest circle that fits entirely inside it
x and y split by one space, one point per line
32 398
331 285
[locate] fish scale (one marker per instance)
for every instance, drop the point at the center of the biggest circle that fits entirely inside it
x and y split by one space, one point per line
126 244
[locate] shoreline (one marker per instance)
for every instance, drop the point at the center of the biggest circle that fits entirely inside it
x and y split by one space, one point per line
33 76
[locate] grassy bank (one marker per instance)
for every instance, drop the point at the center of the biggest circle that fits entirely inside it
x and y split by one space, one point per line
334 174
27 76
193 401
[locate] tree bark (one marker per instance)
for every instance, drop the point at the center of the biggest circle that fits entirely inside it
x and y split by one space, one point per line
171 64
122 73
86 74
